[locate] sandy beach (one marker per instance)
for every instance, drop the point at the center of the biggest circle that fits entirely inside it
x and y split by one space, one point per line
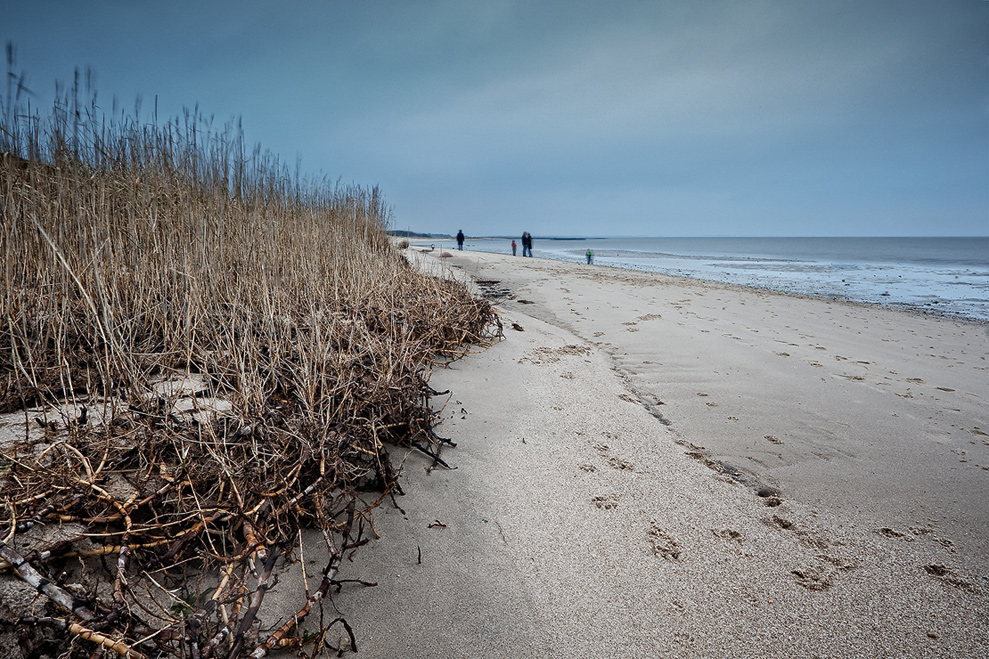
648 467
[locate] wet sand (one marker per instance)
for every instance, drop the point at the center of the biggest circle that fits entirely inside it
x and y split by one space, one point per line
649 466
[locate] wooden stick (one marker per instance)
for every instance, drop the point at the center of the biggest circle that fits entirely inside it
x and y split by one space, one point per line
332 567
252 611
119 647
62 597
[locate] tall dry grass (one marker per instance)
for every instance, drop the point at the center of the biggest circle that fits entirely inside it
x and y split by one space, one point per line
136 254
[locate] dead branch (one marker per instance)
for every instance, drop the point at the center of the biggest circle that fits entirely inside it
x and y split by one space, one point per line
74 628
63 598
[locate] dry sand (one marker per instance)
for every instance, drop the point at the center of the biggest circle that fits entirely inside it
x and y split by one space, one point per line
657 467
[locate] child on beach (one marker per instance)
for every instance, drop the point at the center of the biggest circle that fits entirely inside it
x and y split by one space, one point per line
514 246
590 257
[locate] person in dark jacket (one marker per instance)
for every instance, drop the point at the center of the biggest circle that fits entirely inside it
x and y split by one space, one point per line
460 240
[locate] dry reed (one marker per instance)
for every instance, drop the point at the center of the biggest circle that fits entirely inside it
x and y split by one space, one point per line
212 354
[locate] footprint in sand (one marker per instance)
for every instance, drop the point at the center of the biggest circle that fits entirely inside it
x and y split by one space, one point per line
663 546
770 497
806 537
607 502
893 533
814 577
621 465
927 532
947 575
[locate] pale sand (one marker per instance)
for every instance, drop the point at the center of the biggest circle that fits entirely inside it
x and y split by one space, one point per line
584 519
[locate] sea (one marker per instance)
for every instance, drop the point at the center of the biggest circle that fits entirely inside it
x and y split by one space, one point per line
944 276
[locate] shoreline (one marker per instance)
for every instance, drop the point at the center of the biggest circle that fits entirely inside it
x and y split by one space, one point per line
932 306
587 509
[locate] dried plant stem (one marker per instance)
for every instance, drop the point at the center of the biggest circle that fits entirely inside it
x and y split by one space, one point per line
209 355
63 598
116 646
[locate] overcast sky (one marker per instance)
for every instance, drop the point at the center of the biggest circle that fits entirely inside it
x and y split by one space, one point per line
676 118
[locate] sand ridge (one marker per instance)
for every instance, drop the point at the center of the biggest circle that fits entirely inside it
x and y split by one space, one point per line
603 502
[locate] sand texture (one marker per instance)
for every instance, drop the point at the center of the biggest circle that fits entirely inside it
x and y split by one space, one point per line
656 467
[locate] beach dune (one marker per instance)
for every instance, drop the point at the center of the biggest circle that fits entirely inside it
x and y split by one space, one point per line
650 466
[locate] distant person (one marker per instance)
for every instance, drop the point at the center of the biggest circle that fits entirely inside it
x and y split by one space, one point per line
525 243
590 257
529 235
514 247
460 240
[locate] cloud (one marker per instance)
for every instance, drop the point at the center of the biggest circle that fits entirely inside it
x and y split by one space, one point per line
755 112
742 79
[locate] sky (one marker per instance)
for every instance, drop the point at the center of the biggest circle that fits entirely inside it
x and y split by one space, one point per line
572 117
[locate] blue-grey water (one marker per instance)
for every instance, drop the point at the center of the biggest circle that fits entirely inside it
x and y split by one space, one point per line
948 276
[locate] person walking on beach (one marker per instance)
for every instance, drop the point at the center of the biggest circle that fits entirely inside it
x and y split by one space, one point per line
526 244
514 247
460 240
590 257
